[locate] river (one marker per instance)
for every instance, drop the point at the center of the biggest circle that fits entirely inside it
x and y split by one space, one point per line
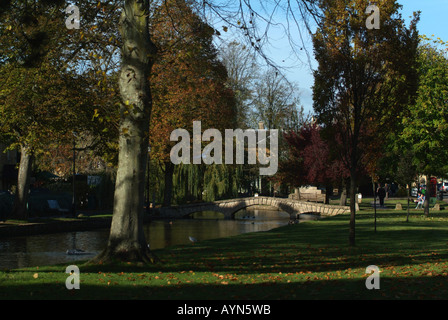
49 249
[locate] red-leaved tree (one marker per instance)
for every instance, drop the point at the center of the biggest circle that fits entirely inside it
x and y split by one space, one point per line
311 160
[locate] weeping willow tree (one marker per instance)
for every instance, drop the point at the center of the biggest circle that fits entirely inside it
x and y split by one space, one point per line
187 183
193 183
221 182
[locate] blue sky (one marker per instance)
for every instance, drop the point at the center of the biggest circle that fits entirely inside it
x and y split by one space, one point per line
433 21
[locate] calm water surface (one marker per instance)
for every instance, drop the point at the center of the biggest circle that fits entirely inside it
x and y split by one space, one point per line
51 249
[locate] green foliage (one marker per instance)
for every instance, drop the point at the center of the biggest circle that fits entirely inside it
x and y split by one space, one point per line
53 80
221 182
425 128
193 183
187 183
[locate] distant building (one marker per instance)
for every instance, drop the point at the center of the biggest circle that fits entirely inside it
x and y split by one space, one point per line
8 167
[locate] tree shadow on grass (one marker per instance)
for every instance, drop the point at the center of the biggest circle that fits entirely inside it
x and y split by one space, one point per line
390 288
392 213
307 247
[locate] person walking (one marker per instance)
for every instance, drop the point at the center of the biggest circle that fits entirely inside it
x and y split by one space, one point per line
381 195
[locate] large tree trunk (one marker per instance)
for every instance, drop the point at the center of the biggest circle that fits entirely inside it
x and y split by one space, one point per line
168 192
127 240
20 210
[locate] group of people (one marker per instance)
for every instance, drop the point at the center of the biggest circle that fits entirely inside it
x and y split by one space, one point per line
382 193
420 200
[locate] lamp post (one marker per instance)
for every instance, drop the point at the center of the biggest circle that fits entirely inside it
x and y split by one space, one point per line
260 179
147 182
74 176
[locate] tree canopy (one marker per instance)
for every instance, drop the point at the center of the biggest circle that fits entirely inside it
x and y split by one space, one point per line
365 78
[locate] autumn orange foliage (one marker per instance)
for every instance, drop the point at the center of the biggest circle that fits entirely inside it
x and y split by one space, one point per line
188 82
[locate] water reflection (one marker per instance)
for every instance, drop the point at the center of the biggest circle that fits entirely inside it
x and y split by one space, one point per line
50 249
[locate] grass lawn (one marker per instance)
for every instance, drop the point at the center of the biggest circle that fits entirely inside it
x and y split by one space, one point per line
310 260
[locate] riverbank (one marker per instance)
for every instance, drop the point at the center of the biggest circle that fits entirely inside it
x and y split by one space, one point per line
51 225
84 222
310 260
46 225
97 220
